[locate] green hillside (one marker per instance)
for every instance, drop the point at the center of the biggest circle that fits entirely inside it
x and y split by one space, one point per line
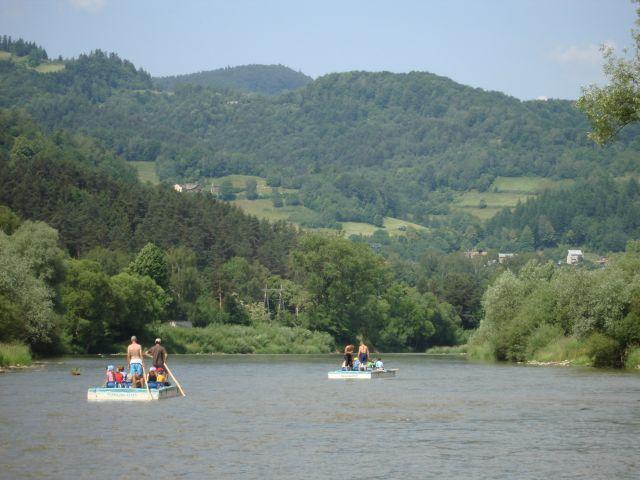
356 147
27 54
263 207
264 79
116 256
504 192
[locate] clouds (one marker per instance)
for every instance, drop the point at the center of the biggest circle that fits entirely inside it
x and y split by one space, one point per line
92 6
587 55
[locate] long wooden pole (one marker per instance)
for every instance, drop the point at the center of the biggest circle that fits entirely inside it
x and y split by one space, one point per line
175 380
146 383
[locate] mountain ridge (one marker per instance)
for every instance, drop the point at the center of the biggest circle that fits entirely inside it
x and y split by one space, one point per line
270 79
358 146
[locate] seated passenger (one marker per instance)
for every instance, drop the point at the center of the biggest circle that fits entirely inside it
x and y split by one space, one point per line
110 380
379 364
152 378
119 378
356 364
161 377
370 365
125 377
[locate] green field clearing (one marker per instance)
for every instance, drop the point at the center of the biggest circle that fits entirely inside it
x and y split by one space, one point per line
470 202
49 67
46 67
481 213
472 199
505 192
394 225
239 181
146 172
525 184
357 228
263 208
391 225
19 60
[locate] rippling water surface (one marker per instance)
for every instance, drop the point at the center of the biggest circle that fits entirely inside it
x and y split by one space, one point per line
280 417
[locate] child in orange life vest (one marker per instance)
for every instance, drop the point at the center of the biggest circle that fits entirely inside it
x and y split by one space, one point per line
120 377
161 377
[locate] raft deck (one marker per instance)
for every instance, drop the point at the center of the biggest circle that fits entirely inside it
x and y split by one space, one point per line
100 394
362 375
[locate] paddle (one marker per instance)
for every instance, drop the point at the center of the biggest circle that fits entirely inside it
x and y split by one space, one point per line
146 383
175 380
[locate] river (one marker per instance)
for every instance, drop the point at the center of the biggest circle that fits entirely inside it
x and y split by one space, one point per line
280 417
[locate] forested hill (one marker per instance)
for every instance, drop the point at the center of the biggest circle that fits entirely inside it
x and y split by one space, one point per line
359 146
265 79
94 200
197 260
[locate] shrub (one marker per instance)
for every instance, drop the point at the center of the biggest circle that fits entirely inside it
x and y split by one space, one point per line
604 351
542 337
454 350
633 358
561 349
260 338
14 354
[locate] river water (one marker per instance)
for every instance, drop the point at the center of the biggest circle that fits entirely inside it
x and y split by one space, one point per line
280 417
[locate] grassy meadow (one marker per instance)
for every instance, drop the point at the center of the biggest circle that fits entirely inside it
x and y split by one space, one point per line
531 185
146 172
49 67
44 67
504 192
263 208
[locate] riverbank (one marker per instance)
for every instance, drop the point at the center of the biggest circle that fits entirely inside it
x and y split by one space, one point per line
14 355
594 351
448 350
261 338
559 352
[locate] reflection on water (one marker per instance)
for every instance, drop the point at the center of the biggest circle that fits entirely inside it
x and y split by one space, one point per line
280 417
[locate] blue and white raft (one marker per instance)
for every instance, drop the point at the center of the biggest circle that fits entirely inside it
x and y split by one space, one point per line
100 394
362 374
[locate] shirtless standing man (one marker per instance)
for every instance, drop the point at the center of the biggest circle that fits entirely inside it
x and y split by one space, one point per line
136 364
363 353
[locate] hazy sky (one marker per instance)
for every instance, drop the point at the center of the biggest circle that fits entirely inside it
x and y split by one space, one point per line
526 48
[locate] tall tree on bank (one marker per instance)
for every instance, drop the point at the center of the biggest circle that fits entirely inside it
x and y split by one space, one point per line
151 262
614 106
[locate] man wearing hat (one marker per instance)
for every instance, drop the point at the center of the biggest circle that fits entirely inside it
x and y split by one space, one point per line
158 353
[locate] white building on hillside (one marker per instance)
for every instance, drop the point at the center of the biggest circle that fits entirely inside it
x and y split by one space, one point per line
574 256
503 257
187 187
